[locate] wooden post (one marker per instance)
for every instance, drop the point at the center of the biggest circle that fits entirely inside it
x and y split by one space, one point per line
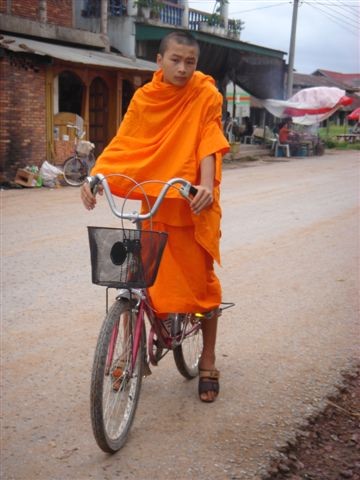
49 109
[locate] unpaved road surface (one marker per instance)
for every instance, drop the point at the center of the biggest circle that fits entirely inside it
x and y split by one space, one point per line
290 263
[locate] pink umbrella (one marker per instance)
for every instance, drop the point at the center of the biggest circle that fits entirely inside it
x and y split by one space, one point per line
354 115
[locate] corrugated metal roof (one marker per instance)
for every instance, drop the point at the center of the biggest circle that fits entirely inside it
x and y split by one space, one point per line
74 55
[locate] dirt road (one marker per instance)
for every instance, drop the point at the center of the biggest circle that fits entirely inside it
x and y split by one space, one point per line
290 263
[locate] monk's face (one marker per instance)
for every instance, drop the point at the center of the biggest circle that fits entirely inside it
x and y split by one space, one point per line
178 63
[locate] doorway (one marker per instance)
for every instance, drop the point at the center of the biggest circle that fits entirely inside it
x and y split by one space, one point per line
71 92
99 114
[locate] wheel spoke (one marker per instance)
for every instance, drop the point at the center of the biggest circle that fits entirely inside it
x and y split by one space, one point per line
187 355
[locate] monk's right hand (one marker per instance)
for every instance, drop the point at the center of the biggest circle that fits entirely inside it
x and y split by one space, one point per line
88 199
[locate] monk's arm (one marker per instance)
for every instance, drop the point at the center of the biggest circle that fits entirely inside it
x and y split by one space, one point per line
204 196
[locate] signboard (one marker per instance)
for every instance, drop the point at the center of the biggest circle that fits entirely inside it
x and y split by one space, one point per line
242 101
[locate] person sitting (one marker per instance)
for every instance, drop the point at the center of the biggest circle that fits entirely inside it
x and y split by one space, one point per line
289 137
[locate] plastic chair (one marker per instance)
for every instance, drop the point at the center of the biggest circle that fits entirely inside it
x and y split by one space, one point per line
284 146
273 142
229 132
248 139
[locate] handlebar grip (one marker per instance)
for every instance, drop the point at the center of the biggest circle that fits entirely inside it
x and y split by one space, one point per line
193 191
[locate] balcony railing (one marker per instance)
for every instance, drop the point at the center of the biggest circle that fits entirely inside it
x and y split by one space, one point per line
196 17
170 14
116 8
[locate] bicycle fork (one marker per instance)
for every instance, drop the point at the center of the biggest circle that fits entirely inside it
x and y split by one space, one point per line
136 339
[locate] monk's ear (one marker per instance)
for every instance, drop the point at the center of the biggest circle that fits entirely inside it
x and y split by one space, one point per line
159 60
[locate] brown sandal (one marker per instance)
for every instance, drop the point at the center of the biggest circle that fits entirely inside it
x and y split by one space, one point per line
208 382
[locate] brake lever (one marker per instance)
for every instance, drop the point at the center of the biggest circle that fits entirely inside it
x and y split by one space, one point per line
188 190
94 183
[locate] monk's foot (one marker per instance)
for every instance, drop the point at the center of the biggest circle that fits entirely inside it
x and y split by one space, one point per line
208 380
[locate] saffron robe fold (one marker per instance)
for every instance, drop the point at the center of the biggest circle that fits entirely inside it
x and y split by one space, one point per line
165 133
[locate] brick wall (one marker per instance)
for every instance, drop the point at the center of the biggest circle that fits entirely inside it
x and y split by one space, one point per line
22 113
59 12
25 8
3 6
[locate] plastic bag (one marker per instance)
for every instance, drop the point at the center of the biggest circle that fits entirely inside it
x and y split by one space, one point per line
49 174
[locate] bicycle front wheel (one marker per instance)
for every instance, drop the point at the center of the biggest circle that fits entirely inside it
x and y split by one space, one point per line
187 354
75 171
115 384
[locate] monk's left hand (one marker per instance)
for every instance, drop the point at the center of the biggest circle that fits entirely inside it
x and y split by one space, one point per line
202 199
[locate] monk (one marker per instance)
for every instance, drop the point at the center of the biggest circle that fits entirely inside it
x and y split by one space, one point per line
172 128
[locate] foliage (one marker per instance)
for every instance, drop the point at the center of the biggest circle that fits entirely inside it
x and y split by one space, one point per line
234 26
333 143
328 135
155 5
215 20
331 131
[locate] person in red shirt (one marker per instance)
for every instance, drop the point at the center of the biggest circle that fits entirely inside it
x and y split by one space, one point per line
288 136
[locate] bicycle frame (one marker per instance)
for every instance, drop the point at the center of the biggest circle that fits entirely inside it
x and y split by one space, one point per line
168 341
143 307
125 350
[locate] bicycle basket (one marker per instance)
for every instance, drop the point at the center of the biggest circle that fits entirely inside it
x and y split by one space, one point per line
125 258
84 147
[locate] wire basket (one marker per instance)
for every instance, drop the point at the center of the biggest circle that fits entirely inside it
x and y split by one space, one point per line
125 258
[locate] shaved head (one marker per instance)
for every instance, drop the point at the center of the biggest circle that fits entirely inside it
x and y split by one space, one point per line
183 38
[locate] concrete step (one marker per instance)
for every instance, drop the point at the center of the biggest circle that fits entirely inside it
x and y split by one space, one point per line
241 150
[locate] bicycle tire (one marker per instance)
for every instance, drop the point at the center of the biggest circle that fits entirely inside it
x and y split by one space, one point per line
187 354
113 410
75 171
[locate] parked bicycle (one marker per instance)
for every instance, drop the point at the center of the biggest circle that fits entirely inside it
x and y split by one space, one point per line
128 260
77 167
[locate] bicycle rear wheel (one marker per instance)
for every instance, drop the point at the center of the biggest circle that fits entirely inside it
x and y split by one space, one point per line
75 171
187 355
115 387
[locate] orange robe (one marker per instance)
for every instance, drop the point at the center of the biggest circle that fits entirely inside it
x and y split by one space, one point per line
165 133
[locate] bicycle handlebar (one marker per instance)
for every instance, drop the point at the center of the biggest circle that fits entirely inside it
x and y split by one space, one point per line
186 190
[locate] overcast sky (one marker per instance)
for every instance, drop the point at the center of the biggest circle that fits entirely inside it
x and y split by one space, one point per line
327 34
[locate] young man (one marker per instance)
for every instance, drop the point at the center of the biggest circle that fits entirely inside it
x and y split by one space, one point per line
173 129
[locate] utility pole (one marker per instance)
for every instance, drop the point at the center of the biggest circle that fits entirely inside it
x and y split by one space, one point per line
104 24
290 79
185 17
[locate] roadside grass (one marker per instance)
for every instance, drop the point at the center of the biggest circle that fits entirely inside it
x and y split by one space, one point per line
328 135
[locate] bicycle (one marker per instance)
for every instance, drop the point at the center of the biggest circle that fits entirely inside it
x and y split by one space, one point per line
128 260
77 167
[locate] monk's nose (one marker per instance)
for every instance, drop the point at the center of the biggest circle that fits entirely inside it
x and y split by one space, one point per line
181 67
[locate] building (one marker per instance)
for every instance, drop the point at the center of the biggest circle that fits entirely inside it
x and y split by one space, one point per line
80 61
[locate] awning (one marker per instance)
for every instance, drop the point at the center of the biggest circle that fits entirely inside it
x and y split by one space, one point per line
310 105
74 55
259 70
